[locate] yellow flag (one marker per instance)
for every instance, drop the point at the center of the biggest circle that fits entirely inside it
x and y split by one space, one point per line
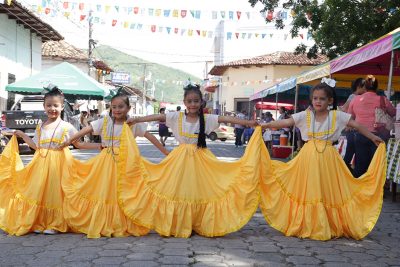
9 2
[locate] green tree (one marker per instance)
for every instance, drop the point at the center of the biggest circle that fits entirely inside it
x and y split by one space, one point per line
337 26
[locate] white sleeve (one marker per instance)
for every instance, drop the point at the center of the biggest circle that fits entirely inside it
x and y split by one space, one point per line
35 136
171 119
97 125
211 122
139 129
299 119
343 119
71 130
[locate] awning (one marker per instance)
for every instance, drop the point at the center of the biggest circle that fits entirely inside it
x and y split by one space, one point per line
278 88
67 77
315 73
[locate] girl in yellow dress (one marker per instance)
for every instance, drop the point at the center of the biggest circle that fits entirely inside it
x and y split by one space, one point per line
314 195
91 204
190 190
31 198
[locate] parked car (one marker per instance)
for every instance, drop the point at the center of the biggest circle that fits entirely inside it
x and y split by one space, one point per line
152 127
223 133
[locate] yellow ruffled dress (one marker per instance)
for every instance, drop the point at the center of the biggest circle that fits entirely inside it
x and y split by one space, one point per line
91 204
31 197
190 190
315 196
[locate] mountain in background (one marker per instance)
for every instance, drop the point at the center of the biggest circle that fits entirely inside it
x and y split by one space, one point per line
164 91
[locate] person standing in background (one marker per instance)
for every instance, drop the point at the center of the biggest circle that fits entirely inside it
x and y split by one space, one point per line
239 129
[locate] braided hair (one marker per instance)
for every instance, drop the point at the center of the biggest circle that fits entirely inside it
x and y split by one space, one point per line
201 141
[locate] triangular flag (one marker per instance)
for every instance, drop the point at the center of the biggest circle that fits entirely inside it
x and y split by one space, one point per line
198 32
130 10
107 8
139 26
301 36
183 31
158 12
214 15
82 17
237 35
263 35
47 11
135 10
81 6
114 22
210 34
243 35
230 14
203 33
160 29
270 15
271 35
151 11
192 12
198 14
175 13
176 30
183 13
98 8
67 14
167 12
256 34
285 36
249 36
168 30
65 5
116 8
248 15
238 14
153 28
309 35
126 24
190 32
133 26
223 14
39 9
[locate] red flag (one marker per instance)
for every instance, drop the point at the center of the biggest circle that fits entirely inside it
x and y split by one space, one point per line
176 30
237 35
238 13
136 10
301 35
82 17
47 11
270 15
183 13
65 5
81 6
153 28
114 22
198 32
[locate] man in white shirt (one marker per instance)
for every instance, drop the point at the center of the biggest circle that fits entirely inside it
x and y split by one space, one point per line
239 129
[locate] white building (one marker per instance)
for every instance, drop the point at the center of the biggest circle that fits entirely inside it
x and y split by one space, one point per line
21 38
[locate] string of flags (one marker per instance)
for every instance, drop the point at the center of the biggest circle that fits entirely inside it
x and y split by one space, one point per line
212 82
84 8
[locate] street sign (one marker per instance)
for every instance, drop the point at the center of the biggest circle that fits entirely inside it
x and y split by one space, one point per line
120 77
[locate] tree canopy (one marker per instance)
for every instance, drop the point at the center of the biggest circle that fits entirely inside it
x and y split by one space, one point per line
337 26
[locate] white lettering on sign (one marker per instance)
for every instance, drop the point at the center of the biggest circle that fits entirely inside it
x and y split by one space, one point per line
28 121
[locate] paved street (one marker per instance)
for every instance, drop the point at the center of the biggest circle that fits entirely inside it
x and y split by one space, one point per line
256 244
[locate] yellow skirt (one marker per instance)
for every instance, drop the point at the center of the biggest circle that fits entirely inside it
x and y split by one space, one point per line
190 190
91 204
315 196
31 198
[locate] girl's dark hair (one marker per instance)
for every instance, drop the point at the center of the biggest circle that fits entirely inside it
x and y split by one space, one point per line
124 98
371 83
54 91
162 109
329 91
359 82
201 141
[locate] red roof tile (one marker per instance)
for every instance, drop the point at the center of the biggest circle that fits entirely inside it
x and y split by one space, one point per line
277 58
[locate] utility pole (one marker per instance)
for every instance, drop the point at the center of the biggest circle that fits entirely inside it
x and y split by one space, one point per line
144 89
91 42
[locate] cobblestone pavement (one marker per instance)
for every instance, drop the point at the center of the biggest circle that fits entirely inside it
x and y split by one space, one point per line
256 244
